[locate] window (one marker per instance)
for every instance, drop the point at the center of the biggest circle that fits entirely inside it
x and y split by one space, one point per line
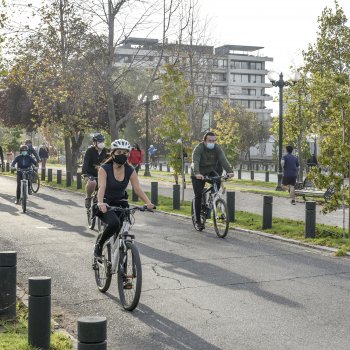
244 78
245 91
244 65
252 92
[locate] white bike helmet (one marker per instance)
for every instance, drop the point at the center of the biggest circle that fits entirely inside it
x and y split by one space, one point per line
120 144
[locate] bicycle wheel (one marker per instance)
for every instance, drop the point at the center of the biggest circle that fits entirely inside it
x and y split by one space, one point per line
102 267
129 277
35 182
202 217
24 196
91 220
220 218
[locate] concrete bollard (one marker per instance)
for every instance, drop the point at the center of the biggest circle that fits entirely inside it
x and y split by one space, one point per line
7 167
43 174
252 174
79 181
8 270
154 193
257 166
267 176
134 196
276 168
39 312
231 205
49 175
59 176
68 179
239 174
310 219
168 168
160 167
267 212
92 333
176 197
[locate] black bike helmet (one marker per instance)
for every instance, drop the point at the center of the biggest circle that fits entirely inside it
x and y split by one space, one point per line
28 141
23 148
98 138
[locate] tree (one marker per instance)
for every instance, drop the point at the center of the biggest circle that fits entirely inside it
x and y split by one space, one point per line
328 65
175 123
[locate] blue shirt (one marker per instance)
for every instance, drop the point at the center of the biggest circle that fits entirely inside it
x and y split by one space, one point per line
291 165
24 162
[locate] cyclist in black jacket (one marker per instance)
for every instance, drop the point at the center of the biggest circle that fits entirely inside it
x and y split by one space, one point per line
23 161
94 156
31 151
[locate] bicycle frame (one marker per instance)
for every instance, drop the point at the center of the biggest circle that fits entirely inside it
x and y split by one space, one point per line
24 180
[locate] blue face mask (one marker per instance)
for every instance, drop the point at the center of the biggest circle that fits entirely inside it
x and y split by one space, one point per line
210 145
24 153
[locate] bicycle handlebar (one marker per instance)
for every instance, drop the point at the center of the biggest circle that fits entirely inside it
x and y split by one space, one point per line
211 178
133 209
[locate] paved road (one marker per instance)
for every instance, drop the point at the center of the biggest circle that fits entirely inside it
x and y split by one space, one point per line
199 292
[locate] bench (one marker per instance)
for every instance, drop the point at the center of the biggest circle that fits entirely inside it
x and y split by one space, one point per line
313 192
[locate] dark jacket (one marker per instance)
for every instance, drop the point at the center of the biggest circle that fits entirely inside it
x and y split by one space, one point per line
205 161
92 160
32 151
43 152
290 166
24 162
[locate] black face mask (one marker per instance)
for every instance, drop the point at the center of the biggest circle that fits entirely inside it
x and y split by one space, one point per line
120 159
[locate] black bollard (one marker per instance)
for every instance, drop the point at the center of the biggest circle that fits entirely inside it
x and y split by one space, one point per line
134 198
43 174
59 176
39 312
186 169
252 174
176 197
267 176
154 193
79 182
92 333
7 167
239 174
310 219
267 212
240 166
8 270
266 167
276 168
49 175
257 166
168 168
160 167
231 205
68 179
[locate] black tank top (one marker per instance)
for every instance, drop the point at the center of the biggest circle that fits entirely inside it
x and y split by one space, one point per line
115 190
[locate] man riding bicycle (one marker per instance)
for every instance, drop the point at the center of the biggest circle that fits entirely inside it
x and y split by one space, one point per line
113 177
208 159
23 161
93 158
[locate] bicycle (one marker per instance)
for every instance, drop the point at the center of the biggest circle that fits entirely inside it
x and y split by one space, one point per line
120 255
35 180
213 204
26 173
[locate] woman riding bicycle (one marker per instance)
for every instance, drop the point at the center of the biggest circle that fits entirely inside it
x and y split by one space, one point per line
113 179
23 161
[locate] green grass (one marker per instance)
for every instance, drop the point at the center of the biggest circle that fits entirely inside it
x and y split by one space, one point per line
14 334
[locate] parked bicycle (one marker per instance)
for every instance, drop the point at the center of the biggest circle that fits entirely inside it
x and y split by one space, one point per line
26 174
213 205
120 255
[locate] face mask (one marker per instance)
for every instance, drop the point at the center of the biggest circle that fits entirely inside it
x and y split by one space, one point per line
210 145
100 145
24 153
120 159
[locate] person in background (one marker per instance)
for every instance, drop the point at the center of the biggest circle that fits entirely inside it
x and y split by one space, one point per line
135 157
290 166
152 156
2 157
31 151
23 161
93 158
43 154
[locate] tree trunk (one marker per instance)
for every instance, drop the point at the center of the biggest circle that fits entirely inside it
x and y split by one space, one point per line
68 153
301 161
76 144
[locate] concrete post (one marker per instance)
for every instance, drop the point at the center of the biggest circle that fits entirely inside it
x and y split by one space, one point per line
310 219
267 176
79 181
168 168
39 312
267 212
8 270
231 205
252 174
239 174
154 193
7 167
176 197
43 174
160 167
59 176
68 179
92 333
49 175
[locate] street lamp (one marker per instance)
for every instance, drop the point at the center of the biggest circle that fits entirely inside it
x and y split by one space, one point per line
180 142
147 103
277 80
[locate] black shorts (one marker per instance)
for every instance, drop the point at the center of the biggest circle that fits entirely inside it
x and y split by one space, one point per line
289 180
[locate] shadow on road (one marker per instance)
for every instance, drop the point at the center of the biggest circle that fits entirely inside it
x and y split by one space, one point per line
58 201
212 274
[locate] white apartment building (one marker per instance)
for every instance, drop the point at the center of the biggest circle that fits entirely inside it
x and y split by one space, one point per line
232 72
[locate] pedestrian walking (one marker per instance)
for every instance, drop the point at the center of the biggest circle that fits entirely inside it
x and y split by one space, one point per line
44 154
135 157
290 166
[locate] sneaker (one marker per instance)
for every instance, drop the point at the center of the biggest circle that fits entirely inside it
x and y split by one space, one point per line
87 202
17 201
293 201
97 251
199 226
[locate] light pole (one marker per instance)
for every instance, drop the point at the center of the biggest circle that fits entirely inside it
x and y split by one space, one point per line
147 172
277 80
180 142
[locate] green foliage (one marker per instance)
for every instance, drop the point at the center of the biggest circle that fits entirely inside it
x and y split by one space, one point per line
10 138
175 123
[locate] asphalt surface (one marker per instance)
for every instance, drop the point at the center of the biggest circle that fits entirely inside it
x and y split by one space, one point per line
199 291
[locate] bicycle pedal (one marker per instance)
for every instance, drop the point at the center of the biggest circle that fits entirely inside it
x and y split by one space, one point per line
127 285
